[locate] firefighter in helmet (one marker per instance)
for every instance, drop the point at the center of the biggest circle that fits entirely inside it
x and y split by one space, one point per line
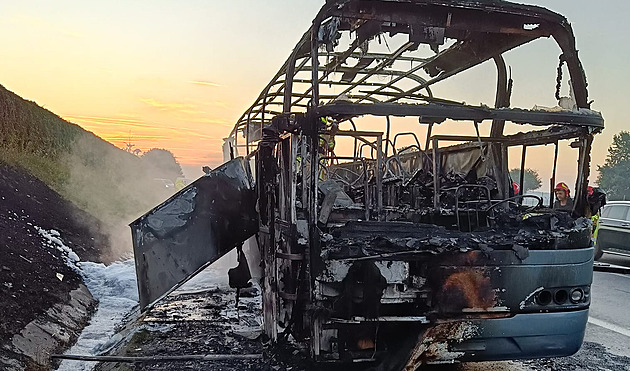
563 198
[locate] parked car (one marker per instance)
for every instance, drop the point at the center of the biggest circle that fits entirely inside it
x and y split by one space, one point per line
614 230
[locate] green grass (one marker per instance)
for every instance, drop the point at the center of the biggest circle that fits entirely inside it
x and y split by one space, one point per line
50 171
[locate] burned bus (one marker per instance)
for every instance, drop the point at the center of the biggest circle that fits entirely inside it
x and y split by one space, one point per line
381 203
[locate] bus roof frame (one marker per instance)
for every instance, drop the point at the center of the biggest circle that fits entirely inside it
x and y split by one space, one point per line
484 29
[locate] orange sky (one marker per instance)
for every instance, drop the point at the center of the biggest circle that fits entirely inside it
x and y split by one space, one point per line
177 74
158 74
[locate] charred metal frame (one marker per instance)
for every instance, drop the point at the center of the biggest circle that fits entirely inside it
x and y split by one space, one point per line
285 91
383 267
296 228
293 220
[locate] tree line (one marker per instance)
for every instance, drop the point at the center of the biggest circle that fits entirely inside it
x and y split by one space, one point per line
614 175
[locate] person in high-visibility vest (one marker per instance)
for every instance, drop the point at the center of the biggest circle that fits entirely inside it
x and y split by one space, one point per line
595 219
327 141
596 200
180 183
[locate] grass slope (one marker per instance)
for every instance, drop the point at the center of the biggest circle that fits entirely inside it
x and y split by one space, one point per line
107 182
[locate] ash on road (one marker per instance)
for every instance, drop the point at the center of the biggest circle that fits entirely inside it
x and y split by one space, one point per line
202 318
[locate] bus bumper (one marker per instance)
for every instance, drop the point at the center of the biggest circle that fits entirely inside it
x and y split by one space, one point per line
531 335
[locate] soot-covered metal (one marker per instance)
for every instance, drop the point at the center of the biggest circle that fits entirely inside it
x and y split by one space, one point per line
406 255
193 228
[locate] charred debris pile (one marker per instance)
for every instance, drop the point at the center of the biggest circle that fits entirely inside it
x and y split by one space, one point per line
466 219
403 239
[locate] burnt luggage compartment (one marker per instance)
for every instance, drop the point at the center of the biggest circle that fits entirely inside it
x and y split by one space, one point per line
193 228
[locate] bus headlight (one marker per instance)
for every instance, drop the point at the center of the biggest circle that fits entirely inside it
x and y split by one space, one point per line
544 297
577 295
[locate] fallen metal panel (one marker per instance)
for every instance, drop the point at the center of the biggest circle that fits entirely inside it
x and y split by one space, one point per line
193 228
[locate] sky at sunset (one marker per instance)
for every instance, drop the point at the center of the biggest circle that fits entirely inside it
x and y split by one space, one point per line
177 74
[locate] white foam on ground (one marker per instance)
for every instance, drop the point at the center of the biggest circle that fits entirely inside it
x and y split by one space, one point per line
114 286
53 239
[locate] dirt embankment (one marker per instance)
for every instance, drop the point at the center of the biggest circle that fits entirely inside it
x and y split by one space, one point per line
56 179
35 280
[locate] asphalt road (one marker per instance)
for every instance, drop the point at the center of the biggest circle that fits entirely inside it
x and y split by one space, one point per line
607 340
